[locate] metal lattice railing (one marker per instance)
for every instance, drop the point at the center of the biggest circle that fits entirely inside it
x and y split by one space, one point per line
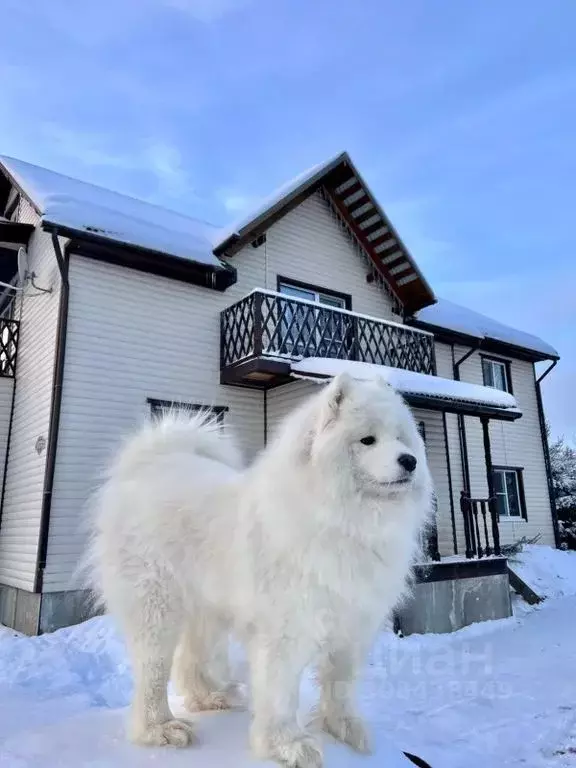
8 346
271 325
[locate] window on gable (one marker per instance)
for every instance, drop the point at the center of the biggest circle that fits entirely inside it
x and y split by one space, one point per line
159 408
496 374
509 491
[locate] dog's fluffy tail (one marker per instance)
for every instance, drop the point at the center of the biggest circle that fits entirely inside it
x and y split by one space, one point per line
175 433
198 434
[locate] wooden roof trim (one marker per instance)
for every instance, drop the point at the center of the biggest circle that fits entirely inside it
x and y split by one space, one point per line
353 201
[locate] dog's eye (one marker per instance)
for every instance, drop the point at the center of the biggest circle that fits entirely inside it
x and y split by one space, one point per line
369 440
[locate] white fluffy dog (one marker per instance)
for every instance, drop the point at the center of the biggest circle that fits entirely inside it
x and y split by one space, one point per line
302 556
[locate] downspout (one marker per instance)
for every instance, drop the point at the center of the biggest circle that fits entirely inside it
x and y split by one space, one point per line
546 449
461 423
57 379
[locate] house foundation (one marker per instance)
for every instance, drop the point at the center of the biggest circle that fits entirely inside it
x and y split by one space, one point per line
450 595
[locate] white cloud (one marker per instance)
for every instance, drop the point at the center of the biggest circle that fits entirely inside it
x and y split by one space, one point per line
237 203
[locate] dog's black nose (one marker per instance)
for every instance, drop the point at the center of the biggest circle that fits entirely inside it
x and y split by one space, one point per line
407 462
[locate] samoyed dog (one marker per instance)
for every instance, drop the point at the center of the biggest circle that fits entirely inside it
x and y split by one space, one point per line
301 556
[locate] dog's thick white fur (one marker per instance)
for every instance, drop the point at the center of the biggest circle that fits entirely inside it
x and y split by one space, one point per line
302 556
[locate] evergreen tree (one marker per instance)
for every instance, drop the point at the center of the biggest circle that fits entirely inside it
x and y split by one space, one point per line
563 466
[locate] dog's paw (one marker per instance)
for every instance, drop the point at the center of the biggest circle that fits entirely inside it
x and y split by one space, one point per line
300 750
349 730
230 697
175 733
215 700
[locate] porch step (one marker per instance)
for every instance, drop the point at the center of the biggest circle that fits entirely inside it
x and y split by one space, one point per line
521 588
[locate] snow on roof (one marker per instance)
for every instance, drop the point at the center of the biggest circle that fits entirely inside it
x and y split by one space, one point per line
408 382
84 207
453 317
273 199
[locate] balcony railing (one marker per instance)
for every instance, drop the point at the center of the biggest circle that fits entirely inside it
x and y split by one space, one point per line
269 324
8 346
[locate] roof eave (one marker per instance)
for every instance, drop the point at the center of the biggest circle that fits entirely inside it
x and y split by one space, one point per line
145 259
14 181
15 232
483 343
416 306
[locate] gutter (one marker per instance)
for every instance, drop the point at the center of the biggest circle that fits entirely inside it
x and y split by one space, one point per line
546 449
57 379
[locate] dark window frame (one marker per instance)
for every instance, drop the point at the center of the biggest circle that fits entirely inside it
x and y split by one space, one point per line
345 297
507 367
156 407
522 495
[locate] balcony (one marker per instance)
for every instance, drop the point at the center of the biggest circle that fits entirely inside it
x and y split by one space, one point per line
8 347
264 332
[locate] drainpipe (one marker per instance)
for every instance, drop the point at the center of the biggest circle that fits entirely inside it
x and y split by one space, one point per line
57 379
546 449
461 423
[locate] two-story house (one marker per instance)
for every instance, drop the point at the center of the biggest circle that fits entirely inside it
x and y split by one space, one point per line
113 308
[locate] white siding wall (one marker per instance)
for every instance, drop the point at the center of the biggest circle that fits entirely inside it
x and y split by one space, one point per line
25 474
132 336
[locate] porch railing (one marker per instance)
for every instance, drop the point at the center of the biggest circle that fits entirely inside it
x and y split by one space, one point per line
271 324
481 530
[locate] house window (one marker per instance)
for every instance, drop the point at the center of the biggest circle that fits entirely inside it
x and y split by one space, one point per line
509 491
311 293
496 373
159 408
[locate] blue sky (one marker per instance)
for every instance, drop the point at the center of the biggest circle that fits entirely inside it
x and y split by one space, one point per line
461 117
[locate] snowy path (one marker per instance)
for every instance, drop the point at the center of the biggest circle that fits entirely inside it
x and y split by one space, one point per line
495 694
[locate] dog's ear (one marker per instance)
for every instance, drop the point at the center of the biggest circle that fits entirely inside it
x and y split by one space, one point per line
336 393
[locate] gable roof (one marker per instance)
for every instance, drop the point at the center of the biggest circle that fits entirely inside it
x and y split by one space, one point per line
461 321
78 207
354 202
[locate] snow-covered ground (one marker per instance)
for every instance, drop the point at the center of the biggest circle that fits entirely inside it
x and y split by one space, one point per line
500 693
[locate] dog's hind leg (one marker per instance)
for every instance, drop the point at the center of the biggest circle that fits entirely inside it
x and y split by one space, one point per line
152 632
201 670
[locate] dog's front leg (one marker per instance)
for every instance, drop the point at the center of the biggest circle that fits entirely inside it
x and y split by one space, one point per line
337 676
276 666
